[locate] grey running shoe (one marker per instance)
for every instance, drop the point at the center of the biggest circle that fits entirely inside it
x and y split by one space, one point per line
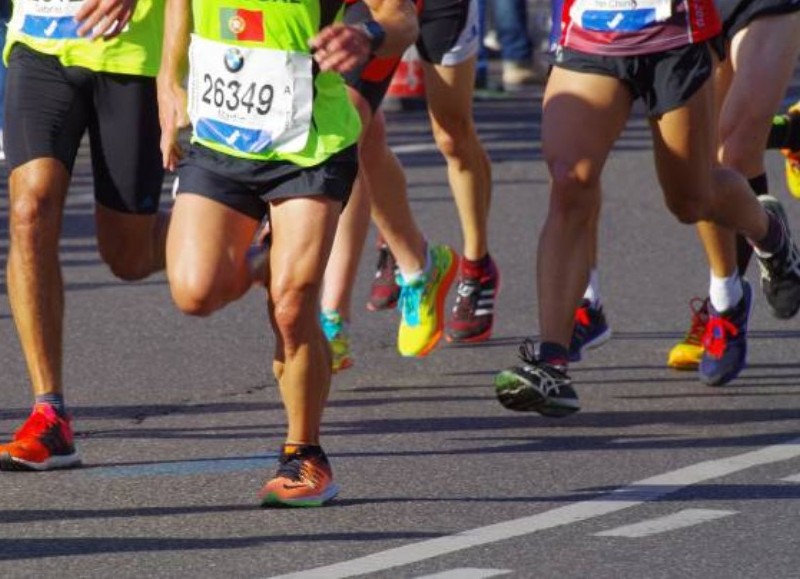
780 272
536 385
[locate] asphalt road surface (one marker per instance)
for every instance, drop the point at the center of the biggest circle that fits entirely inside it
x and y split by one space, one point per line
178 419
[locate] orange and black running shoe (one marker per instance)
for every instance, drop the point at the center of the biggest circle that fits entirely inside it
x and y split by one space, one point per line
304 479
43 442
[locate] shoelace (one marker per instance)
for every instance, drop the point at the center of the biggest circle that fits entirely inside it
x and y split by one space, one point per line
715 338
299 469
467 296
699 323
548 383
386 267
331 325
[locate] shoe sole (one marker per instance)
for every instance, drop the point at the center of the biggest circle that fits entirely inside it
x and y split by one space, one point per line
273 500
16 464
518 394
447 282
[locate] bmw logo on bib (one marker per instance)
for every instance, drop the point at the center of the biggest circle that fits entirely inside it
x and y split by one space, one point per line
234 59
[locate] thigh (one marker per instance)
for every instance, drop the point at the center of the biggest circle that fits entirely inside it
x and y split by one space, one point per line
125 139
763 55
684 141
583 115
303 229
206 243
448 91
46 112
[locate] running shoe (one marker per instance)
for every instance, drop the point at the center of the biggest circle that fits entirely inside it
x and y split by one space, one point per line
793 161
385 291
338 335
421 303
780 272
686 354
725 341
537 385
473 314
304 479
43 442
590 331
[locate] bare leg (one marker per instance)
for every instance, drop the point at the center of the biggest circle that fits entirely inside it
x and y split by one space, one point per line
35 287
449 92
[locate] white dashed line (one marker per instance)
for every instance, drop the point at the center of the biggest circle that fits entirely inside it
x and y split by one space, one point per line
679 520
623 498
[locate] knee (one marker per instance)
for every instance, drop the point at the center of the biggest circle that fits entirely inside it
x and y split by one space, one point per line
34 209
194 295
453 136
294 310
575 189
125 262
688 209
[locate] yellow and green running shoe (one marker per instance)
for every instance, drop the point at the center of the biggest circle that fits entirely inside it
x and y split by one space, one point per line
336 331
421 303
793 161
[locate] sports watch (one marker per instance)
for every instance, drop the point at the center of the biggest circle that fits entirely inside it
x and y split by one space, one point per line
374 31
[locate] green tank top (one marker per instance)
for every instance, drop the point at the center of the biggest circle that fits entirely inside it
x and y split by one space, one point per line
49 27
254 91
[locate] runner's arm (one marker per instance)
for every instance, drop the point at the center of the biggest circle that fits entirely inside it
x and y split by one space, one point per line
172 111
342 47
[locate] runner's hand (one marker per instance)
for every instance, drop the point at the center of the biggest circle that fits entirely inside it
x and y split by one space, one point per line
104 18
172 117
340 48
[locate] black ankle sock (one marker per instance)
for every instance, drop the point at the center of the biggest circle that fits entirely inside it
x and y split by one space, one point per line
774 240
54 400
744 251
553 353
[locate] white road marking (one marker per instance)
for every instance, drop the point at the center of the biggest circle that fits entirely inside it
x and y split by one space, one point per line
679 520
793 478
467 573
622 498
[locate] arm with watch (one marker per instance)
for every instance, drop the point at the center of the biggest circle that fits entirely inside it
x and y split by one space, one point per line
391 29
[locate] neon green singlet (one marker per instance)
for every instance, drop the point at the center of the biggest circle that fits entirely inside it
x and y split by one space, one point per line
254 92
48 26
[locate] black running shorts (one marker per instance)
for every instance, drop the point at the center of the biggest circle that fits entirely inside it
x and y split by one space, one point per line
50 107
663 80
737 14
448 35
247 186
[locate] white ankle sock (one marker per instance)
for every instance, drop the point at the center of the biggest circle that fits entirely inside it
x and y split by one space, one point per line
725 292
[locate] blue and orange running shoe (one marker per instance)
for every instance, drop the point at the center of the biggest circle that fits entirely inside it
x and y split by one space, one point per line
591 330
337 333
304 479
421 303
725 341
43 442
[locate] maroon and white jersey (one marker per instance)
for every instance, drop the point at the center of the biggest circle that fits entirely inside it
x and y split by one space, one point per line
635 27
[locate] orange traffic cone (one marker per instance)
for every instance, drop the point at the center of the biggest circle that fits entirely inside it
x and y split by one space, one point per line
408 83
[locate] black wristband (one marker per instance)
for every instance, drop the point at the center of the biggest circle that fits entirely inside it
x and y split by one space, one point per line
375 32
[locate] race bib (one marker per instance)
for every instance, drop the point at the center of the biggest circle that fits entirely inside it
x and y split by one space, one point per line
250 99
620 15
47 19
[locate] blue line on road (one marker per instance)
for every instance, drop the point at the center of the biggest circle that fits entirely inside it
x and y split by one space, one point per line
185 467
